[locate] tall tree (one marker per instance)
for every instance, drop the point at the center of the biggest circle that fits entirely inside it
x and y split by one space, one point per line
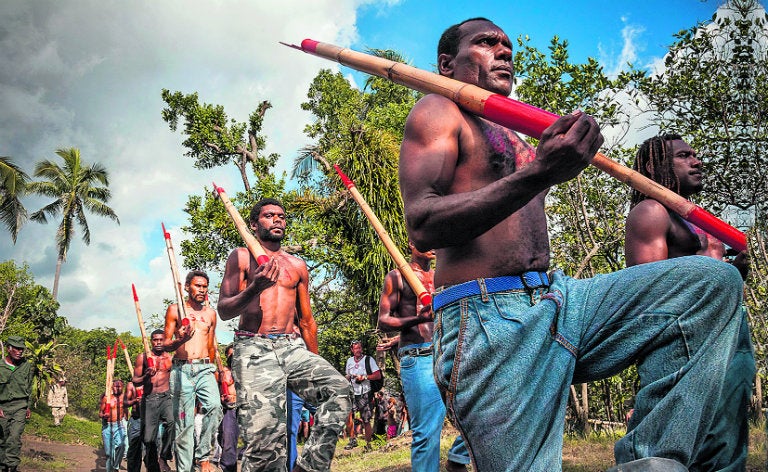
13 183
713 90
213 139
75 190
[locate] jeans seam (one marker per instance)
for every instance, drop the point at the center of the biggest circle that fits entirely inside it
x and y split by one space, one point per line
459 346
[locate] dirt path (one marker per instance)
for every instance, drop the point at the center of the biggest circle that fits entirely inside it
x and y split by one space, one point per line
78 458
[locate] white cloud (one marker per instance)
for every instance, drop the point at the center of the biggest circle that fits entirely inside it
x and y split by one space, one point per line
89 75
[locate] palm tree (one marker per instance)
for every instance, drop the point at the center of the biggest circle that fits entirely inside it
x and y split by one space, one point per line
73 188
13 182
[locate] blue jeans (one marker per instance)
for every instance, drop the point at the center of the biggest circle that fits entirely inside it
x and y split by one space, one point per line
506 360
426 411
294 404
727 444
113 436
191 382
134 444
228 433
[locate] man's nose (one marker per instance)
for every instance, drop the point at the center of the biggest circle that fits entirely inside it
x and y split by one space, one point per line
503 52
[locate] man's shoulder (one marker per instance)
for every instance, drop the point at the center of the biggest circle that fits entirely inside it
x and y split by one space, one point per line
432 105
649 210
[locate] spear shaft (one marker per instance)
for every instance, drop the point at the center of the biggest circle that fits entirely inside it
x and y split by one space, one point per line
142 328
251 242
177 287
425 298
521 117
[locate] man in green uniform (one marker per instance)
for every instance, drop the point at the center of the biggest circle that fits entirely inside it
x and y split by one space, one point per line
15 390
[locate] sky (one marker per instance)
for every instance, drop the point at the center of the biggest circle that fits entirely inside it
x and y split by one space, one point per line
88 74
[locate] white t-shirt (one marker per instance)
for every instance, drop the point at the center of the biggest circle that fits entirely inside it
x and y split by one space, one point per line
354 368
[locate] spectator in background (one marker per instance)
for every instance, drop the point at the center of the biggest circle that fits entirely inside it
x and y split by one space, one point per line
58 400
357 374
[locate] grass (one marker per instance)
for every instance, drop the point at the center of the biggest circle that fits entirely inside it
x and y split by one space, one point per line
579 455
73 430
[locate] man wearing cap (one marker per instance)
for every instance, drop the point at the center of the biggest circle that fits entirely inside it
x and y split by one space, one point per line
58 400
15 390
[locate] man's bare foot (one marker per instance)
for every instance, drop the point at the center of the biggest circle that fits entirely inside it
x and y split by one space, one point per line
451 466
206 466
164 467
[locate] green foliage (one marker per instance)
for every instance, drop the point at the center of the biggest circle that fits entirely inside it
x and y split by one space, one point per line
29 310
13 182
361 132
714 92
44 367
213 139
587 213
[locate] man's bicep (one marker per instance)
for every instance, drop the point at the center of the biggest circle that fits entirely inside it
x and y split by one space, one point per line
429 151
233 275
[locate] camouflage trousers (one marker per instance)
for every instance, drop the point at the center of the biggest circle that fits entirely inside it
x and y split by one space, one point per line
263 368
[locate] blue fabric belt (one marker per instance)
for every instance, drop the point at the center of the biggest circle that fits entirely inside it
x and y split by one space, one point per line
524 281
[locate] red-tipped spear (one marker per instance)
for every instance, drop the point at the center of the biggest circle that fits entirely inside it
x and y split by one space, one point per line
251 242
108 386
177 287
127 356
142 328
402 265
520 117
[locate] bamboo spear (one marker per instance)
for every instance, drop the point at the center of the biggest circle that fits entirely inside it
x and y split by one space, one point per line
520 117
178 289
251 242
142 328
127 356
425 298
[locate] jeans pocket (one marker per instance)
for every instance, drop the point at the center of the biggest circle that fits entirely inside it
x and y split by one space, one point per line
407 362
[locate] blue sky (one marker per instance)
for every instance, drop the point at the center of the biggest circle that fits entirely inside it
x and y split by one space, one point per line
88 74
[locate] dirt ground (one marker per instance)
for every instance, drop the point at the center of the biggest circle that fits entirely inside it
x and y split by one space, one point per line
78 458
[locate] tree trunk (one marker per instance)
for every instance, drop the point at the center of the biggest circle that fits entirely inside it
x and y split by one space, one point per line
59 261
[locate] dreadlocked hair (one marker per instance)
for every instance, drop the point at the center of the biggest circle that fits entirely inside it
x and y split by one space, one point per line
654 160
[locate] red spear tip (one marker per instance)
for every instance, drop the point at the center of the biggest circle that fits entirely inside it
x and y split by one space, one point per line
166 234
217 188
309 45
135 295
346 180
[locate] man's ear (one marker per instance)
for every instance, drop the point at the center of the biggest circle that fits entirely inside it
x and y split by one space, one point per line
252 225
445 65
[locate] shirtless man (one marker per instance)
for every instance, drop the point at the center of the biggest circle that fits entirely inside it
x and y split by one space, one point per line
192 376
654 234
269 355
506 330
156 402
399 310
113 413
